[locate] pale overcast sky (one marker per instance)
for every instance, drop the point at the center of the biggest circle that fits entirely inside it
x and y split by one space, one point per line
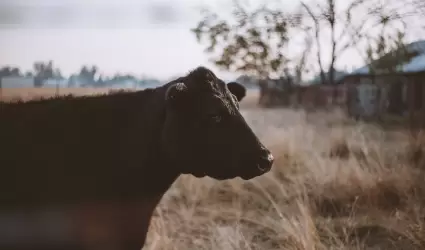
148 37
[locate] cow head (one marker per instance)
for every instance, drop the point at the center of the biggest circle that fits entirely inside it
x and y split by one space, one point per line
204 133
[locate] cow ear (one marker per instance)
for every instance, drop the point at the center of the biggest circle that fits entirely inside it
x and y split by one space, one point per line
237 89
175 92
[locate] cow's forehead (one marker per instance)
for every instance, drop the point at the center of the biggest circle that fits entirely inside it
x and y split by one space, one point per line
205 80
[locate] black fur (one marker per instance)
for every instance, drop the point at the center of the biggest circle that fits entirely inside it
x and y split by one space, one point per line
124 147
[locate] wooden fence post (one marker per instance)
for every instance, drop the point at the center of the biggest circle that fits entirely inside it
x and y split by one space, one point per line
411 105
418 81
57 88
1 90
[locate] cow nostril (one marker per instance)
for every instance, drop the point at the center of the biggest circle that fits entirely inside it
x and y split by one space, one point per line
262 167
270 157
265 163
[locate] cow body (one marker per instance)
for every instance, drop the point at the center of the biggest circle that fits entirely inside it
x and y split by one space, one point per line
80 149
73 154
112 157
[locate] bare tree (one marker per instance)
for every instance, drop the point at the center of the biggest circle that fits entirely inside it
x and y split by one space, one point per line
333 25
256 42
302 62
344 33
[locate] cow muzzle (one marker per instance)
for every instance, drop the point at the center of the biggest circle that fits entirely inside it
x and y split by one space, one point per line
259 165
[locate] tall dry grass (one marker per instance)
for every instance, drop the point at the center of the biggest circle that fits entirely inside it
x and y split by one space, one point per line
336 184
10 94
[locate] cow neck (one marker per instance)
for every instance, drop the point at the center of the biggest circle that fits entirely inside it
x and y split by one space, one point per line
158 173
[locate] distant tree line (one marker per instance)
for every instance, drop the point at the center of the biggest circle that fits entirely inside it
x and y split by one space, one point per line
41 72
86 76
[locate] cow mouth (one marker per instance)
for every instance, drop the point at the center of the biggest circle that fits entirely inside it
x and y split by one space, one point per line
199 174
245 171
258 166
255 173
245 176
249 177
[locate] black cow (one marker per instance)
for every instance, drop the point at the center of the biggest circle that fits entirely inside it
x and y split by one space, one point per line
121 151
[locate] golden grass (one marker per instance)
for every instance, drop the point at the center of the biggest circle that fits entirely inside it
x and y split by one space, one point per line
336 184
7 94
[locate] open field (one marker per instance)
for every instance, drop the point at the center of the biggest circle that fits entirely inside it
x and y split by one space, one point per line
336 184
30 93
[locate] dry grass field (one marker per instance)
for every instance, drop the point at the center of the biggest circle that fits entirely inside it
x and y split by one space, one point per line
30 93
336 184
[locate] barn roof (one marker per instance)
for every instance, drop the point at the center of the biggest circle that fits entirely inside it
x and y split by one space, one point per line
416 64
